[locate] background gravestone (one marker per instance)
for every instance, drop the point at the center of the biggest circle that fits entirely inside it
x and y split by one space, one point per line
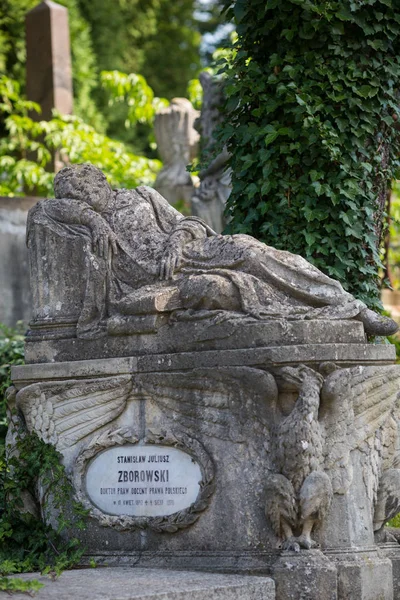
177 142
48 59
209 198
15 296
49 84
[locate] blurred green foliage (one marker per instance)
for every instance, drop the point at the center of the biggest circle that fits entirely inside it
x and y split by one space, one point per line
27 146
395 522
158 38
195 93
14 584
393 258
133 91
84 61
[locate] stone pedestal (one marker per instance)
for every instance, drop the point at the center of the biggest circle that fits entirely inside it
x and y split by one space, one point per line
363 574
177 142
391 551
209 198
219 415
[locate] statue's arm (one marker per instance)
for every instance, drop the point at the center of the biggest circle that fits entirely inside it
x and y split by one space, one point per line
186 230
68 211
75 212
181 230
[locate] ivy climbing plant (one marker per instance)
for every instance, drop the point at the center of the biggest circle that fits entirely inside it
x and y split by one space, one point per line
312 113
26 542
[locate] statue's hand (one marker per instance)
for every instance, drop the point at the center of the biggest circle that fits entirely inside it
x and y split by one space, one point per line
170 261
104 239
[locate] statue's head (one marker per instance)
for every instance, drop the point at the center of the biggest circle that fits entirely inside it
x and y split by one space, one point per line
83 182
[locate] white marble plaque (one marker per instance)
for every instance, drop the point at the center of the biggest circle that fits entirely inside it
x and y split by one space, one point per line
143 481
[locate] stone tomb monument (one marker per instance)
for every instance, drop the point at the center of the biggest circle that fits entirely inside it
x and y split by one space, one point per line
215 401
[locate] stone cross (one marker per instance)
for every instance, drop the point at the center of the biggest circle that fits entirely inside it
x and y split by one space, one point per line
48 63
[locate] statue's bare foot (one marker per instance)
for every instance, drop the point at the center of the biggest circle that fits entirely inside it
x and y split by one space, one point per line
291 545
375 324
306 542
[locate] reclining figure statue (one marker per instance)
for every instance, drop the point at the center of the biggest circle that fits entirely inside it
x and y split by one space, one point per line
139 248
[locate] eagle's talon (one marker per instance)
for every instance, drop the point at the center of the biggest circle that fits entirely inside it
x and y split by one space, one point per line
306 542
291 545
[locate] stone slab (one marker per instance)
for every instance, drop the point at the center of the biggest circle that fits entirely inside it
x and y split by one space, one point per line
232 561
74 370
312 354
150 584
192 337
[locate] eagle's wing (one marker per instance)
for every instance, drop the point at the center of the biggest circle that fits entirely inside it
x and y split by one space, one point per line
357 408
232 403
62 413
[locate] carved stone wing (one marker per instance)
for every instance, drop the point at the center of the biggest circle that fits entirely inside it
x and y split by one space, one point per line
232 403
62 413
357 412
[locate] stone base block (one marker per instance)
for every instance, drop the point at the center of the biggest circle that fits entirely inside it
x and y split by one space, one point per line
363 575
391 550
151 584
305 576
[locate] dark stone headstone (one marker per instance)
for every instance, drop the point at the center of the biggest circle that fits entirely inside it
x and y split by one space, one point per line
48 63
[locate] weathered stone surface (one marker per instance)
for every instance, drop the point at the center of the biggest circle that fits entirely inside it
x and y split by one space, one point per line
391 550
15 297
343 354
307 427
363 574
119 263
151 584
313 355
209 199
308 576
177 142
345 342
